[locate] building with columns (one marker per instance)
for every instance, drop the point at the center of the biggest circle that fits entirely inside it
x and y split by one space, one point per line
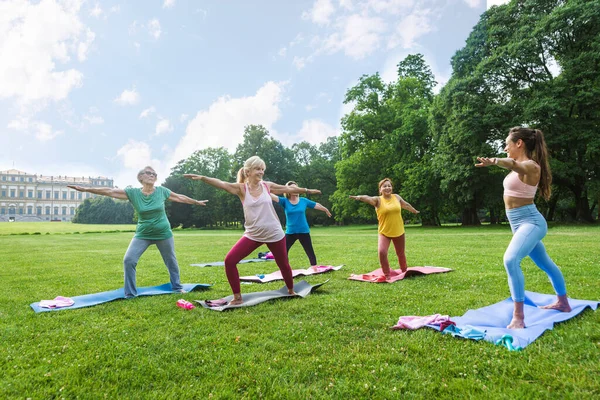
28 197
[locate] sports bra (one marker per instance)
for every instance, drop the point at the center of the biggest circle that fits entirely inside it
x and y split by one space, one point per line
514 187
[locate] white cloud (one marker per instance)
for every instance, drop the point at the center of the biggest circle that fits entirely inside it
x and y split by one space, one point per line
491 3
94 119
183 117
154 28
320 12
472 3
222 124
168 3
147 112
347 4
299 62
315 131
35 39
282 51
128 97
357 36
135 154
96 11
163 126
44 132
409 29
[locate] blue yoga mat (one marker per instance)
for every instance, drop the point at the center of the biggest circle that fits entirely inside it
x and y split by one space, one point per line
89 300
493 319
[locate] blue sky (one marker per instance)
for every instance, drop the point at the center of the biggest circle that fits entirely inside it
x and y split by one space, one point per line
103 88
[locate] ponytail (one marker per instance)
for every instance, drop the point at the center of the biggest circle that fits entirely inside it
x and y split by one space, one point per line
241 176
540 155
535 147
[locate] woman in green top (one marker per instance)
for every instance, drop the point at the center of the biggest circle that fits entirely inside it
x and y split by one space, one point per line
153 226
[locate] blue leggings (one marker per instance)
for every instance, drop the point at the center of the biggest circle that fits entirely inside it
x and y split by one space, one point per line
529 228
136 248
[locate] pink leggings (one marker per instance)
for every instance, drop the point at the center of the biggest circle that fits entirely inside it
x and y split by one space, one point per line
243 248
383 247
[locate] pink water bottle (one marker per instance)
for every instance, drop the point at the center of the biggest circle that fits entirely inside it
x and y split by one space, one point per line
185 304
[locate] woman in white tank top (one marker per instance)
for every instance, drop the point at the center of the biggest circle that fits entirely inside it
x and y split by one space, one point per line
261 225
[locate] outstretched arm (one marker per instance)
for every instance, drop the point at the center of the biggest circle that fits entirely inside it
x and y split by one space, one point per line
233 188
374 201
319 207
110 192
181 198
521 167
404 204
281 189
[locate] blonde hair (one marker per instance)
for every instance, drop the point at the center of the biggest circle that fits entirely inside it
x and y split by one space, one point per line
143 170
290 183
384 180
251 163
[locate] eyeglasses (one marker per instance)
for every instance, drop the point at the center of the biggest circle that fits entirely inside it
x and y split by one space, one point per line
150 173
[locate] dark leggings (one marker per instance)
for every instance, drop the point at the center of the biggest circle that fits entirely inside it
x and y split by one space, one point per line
243 248
306 243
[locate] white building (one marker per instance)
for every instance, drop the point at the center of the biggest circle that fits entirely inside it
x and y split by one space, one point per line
27 197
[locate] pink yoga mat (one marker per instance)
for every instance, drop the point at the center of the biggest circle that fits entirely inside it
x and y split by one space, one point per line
397 274
276 276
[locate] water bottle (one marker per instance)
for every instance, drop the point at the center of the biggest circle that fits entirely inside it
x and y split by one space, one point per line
185 304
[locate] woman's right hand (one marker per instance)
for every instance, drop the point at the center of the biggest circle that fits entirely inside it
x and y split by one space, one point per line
193 176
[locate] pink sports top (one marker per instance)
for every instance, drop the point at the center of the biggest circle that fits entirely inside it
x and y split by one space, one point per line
514 187
261 221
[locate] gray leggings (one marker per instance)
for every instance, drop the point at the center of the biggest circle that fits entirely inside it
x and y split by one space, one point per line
136 248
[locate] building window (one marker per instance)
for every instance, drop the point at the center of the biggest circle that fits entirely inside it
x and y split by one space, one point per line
30 193
11 211
64 211
55 210
48 194
72 210
12 192
56 195
4 193
64 195
29 210
20 210
39 194
22 179
47 210
2 211
79 194
3 178
30 179
12 178
39 210
72 195
22 194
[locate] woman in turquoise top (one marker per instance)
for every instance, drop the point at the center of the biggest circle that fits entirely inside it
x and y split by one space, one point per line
296 225
153 226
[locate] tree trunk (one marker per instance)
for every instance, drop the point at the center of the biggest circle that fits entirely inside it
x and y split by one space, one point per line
469 217
552 206
582 207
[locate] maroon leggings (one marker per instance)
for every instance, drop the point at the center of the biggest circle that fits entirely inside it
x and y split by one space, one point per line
243 248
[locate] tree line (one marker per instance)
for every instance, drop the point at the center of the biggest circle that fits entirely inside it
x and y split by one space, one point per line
530 63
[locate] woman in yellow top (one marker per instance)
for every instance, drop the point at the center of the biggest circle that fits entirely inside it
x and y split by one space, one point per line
391 225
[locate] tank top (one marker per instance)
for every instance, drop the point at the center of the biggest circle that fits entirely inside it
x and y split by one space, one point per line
261 221
389 215
514 187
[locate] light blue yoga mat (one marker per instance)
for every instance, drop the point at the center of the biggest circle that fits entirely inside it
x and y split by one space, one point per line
301 288
89 300
493 319
222 263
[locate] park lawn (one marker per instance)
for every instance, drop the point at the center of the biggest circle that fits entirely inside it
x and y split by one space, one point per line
336 343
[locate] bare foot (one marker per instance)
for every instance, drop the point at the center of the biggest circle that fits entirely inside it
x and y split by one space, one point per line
237 300
517 323
403 269
559 306
292 293
388 277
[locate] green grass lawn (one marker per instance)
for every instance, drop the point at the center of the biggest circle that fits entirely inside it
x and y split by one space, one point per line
336 343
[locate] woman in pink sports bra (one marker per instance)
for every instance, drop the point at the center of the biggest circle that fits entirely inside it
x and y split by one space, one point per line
262 225
527 159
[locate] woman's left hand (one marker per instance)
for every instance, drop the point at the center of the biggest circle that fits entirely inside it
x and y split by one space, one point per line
200 202
485 161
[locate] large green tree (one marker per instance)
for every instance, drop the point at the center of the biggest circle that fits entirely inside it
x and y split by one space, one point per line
104 210
387 135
